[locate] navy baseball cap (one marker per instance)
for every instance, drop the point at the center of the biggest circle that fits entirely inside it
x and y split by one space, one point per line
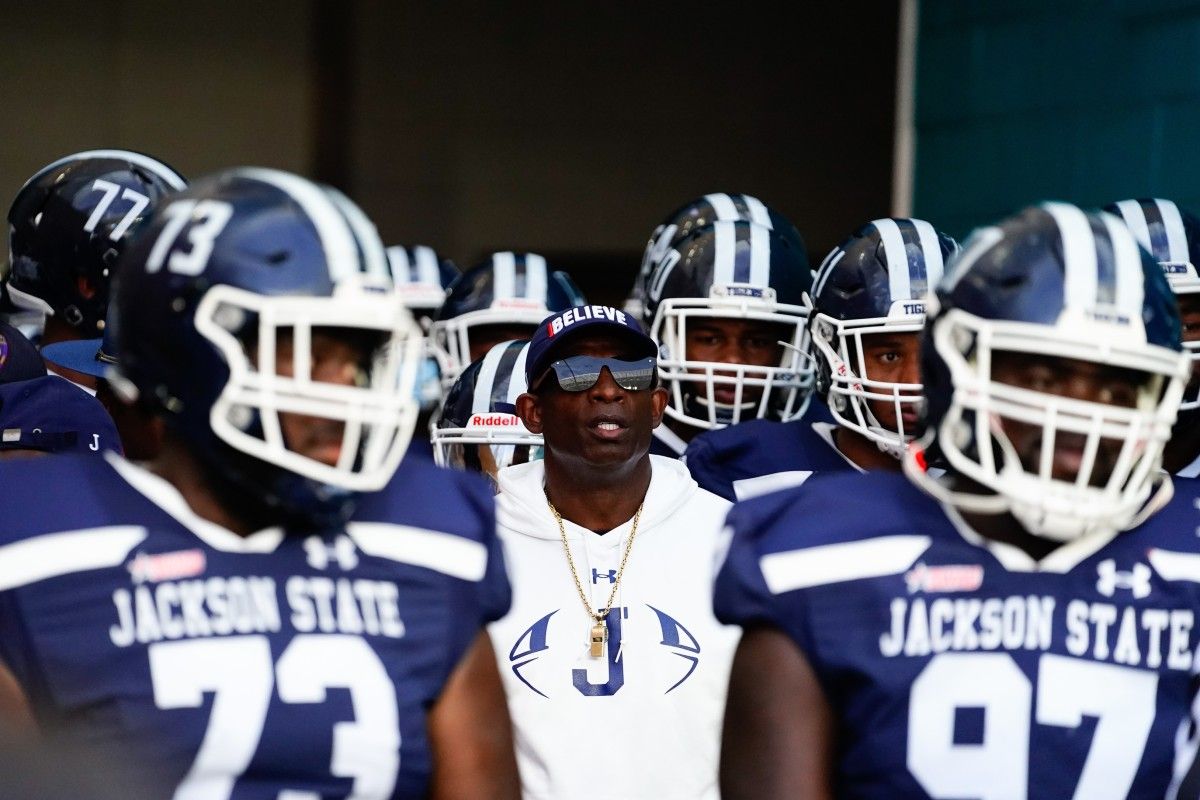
561 326
56 416
19 359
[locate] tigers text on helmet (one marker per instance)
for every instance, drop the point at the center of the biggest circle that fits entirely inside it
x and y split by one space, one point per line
510 290
422 280
1172 236
478 423
875 282
739 271
230 276
68 225
691 217
1052 281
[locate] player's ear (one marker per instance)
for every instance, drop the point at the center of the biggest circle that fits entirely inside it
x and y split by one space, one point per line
529 409
658 404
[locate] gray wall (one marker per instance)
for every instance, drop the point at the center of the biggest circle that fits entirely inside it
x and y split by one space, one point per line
474 127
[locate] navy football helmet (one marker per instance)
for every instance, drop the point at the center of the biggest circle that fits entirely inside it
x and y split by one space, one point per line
481 412
422 280
507 289
68 225
1056 281
1172 236
691 217
209 293
874 282
740 271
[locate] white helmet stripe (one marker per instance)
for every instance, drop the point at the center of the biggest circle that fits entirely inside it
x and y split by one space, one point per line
826 269
1130 290
481 402
724 252
373 255
1080 284
399 266
337 238
978 243
427 266
724 207
516 384
758 211
760 255
535 277
931 247
504 276
1135 220
168 175
896 254
1173 225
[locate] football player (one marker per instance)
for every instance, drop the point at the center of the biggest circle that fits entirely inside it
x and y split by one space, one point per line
726 306
422 280
272 606
614 663
691 217
478 428
502 299
1172 236
1013 628
67 227
867 311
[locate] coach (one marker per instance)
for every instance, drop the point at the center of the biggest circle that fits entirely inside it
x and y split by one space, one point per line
614 665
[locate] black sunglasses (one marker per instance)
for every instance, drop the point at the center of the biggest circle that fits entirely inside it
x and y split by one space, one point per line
580 373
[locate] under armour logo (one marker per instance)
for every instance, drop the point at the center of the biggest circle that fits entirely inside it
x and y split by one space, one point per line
597 575
1136 580
340 551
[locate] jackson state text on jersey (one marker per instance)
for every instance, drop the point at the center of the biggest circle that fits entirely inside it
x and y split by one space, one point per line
958 669
237 668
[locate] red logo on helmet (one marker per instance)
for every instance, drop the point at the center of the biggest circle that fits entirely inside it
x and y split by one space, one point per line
494 420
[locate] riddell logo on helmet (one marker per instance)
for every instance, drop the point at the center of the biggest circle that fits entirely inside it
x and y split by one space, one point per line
574 315
518 302
494 421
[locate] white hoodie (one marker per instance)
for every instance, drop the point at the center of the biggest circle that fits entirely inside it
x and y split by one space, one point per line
644 721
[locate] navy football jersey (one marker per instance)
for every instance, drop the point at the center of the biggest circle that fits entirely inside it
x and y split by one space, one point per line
961 668
761 456
272 665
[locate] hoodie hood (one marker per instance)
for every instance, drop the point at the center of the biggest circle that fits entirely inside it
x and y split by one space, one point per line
521 505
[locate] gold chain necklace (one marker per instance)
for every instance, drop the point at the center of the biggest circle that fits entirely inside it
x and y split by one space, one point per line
599 630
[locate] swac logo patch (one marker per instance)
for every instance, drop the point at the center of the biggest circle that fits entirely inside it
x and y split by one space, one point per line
591 680
166 566
946 578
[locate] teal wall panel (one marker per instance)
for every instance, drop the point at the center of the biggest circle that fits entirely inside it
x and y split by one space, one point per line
1025 100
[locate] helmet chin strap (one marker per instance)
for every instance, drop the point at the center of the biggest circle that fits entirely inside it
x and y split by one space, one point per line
703 401
886 442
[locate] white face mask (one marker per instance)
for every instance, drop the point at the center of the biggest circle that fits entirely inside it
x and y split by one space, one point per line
377 413
972 438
